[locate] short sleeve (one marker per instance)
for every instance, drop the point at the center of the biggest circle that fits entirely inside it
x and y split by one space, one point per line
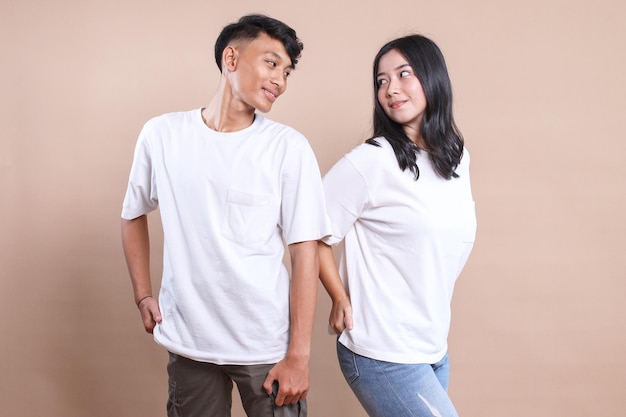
303 215
141 195
346 195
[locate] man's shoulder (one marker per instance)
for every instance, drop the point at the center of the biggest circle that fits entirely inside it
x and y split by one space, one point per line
166 125
278 129
171 118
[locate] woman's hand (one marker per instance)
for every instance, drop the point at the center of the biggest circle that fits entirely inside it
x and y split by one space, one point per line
341 315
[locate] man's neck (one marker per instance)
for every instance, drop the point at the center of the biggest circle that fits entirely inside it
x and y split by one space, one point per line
225 113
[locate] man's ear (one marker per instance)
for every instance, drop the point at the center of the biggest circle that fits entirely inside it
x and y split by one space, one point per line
229 58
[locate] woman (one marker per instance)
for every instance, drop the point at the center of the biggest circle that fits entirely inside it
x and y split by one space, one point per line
402 204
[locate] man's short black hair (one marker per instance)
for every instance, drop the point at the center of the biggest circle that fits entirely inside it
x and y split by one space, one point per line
249 27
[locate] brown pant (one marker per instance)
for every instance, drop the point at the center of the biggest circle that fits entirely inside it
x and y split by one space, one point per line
200 389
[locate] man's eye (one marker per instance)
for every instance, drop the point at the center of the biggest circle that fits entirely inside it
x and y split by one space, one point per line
271 63
287 73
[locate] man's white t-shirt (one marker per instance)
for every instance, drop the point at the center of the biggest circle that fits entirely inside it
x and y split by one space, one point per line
227 201
405 244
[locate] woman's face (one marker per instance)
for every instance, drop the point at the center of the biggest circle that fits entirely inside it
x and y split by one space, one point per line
400 92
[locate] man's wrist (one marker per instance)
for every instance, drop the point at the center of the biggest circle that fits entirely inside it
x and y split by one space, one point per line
142 300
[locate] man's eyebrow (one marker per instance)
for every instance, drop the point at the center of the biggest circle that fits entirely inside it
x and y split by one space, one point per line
279 57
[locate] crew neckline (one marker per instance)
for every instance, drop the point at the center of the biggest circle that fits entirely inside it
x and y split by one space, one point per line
257 120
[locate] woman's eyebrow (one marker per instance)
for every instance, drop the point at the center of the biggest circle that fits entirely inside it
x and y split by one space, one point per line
395 69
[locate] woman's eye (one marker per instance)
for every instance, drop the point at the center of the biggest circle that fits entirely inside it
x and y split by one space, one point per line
404 74
381 82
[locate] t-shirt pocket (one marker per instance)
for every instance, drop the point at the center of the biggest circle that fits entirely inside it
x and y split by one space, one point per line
250 218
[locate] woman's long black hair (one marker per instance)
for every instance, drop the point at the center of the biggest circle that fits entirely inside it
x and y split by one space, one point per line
443 139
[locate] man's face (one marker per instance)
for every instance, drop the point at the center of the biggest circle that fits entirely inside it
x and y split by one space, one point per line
260 72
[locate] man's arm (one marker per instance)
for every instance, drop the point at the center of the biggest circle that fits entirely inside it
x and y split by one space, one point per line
292 373
136 243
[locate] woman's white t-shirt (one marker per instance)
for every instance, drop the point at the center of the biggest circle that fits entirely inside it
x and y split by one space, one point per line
405 244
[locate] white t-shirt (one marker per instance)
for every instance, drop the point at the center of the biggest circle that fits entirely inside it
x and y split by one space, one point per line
227 200
406 243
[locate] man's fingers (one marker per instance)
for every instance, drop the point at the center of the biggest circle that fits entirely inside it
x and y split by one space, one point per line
268 384
288 398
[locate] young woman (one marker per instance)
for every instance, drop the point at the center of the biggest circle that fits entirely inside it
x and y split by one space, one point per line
402 204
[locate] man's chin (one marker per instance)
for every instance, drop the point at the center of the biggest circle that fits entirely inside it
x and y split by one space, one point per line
264 109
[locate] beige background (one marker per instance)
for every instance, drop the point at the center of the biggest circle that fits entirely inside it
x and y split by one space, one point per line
538 326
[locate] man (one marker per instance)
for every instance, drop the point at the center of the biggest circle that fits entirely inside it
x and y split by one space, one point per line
231 185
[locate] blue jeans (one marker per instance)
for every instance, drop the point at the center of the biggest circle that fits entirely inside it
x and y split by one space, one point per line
387 389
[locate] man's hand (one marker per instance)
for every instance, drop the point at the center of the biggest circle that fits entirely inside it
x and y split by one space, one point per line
150 313
292 376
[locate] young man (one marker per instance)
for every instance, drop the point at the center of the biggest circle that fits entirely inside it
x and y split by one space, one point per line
230 185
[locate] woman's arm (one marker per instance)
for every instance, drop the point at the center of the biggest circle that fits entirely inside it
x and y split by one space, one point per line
341 312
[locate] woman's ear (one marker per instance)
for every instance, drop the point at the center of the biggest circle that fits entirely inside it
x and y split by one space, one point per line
229 58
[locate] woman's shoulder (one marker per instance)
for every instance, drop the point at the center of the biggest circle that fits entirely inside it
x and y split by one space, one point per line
372 156
372 148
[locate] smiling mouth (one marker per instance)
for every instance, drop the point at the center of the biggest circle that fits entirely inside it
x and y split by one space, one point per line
272 96
396 104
